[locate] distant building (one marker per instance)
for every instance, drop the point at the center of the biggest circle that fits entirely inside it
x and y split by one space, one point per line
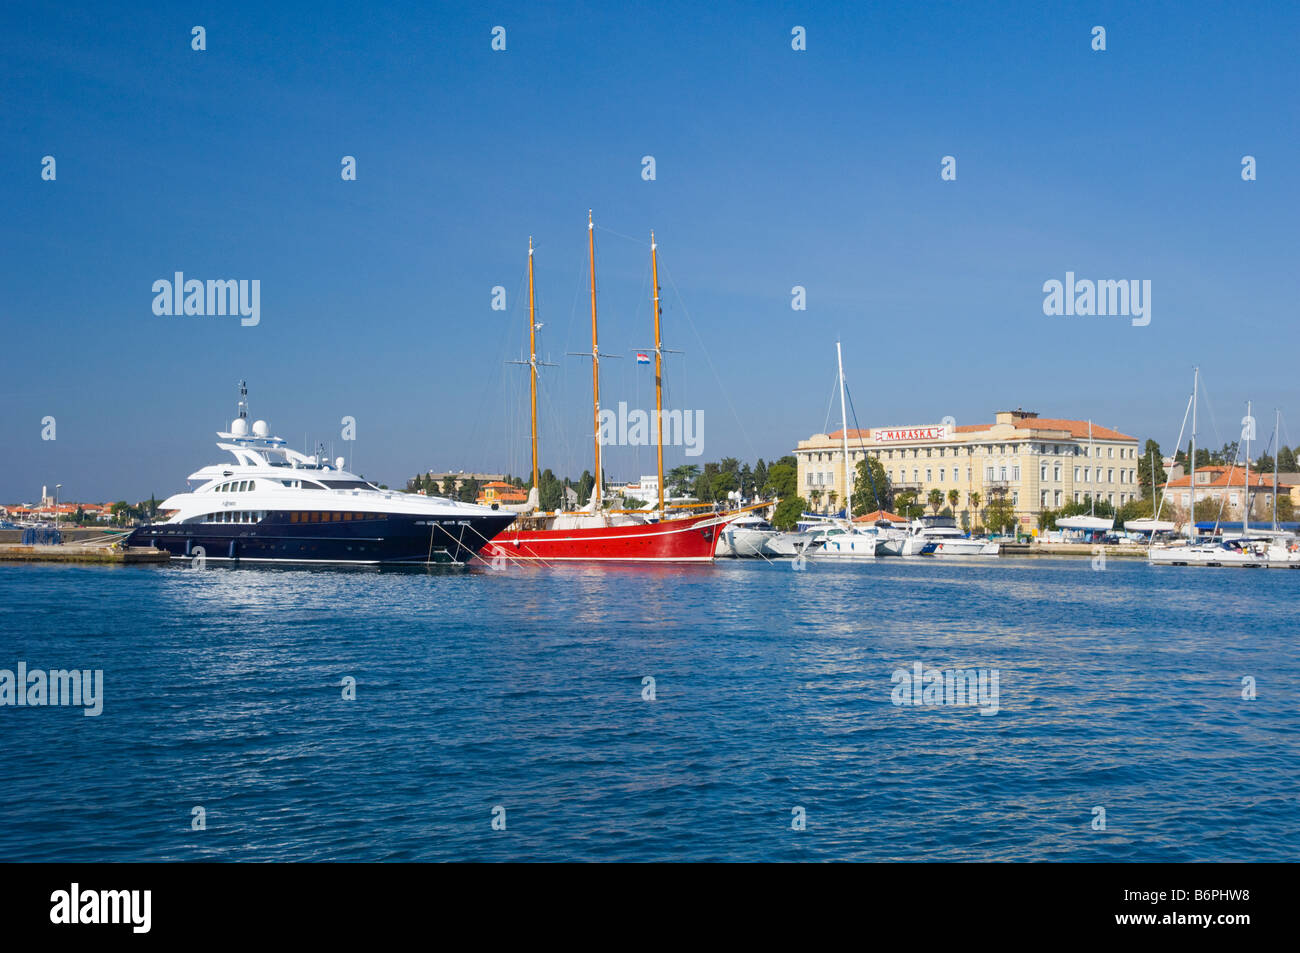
1227 486
498 491
462 477
1038 463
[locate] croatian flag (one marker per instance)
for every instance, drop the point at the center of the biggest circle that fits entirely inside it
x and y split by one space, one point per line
643 358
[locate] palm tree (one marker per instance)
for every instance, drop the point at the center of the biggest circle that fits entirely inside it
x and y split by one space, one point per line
953 497
935 499
975 507
831 497
815 496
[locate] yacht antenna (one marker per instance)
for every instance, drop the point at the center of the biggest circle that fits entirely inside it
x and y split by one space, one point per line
243 400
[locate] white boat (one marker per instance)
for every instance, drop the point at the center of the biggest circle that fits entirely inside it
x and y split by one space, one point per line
1088 524
902 542
1257 552
850 543
275 505
746 536
948 540
1148 525
803 543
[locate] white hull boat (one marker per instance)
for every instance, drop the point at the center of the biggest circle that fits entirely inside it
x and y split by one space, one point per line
746 537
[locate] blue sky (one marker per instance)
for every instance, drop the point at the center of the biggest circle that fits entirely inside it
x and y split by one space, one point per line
775 168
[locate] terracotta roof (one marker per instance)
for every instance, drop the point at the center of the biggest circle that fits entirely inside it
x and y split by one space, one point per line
1075 428
495 483
1223 477
879 515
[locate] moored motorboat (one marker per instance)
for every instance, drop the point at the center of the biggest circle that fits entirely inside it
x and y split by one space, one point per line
746 536
275 505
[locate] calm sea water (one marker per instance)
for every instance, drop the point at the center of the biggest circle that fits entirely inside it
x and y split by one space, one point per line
1119 689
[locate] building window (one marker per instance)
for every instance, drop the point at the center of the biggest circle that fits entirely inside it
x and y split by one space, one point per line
1056 473
1002 471
988 474
1058 498
942 471
1042 473
1076 474
1110 476
928 475
1015 474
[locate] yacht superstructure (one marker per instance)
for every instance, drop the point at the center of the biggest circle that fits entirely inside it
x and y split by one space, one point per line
274 504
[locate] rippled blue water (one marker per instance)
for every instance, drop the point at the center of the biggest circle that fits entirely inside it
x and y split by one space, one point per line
1120 689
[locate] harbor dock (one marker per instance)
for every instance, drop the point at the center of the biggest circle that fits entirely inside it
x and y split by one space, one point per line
83 547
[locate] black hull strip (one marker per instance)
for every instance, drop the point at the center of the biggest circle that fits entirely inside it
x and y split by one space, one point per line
391 540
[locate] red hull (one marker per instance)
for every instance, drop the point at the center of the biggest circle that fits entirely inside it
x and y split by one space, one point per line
684 540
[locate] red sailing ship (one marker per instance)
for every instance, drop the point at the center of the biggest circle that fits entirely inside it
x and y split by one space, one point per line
596 533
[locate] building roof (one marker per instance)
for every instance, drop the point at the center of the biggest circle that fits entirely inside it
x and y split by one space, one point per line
879 515
1077 429
1223 477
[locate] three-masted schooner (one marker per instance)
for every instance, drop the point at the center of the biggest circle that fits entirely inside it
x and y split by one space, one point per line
595 533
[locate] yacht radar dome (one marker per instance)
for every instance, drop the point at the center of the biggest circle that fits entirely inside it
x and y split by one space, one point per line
260 429
338 463
239 427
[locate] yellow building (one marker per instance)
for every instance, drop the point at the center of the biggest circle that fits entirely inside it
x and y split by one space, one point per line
1038 463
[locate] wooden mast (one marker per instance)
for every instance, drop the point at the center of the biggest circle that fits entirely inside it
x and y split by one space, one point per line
532 356
595 360
659 379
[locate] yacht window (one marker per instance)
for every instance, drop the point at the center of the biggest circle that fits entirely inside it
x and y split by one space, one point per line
348 485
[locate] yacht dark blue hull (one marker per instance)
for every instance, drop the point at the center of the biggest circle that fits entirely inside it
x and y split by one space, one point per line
364 538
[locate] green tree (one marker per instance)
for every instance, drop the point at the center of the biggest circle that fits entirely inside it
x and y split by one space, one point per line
1286 460
954 497
788 512
1001 514
1210 510
586 486
1149 452
760 476
906 505
783 479
469 490
871 487
1285 509
975 508
935 499
815 496
1133 510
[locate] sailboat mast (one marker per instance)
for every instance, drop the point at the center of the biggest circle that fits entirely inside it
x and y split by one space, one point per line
1245 515
1191 514
844 432
1277 422
659 379
532 354
595 359
1092 497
